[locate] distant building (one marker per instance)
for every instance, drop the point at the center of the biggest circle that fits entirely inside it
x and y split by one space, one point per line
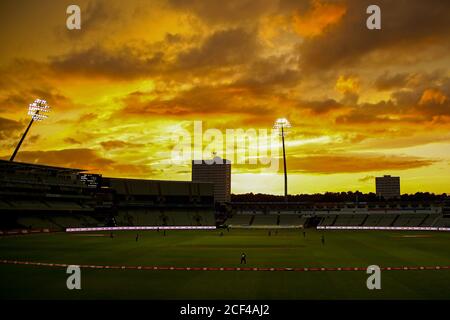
388 187
217 171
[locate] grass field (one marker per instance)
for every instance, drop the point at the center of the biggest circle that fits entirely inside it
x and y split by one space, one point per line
207 249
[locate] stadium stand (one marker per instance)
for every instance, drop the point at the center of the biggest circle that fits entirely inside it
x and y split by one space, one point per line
203 218
239 220
265 220
378 213
430 220
158 203
36 223
149 217
328 220
372 220
350 219
379 219
34 196
290 220
386 220
410 220
402 218
442 222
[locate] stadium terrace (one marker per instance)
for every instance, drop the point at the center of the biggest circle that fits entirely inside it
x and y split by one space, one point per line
38 197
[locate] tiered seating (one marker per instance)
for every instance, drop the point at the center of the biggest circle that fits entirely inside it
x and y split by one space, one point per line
88 221
372 220
386 220
67 205
380 220
290 219
57 222
328 220
442 222
29 204
147 217
429 221
178 218
37 223
124 218
206 218
302 220
409 220
239 219
265 220
342 219
286 212
350 219
249 212
4 205
67 221
416 221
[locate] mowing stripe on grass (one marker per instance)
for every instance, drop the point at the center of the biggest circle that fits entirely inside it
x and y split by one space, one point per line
302 269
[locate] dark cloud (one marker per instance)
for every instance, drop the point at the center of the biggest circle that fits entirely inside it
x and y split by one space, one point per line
25 81
200 100
95 15
83 158
352 163
405 24
100 18
230 47
416 105
224 11
320 106
273 72
222 49
119 144
411 81
388 82
8 127
125 62
14 101
71 141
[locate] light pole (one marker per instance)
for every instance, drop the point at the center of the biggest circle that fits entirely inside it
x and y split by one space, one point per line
283 124
37 111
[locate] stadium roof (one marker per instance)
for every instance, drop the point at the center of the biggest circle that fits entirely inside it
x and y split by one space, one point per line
13 165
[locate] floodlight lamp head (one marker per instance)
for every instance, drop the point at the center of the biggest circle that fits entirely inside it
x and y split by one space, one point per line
282 123
38 109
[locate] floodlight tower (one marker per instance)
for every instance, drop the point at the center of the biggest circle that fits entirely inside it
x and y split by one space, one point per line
282 124
37 111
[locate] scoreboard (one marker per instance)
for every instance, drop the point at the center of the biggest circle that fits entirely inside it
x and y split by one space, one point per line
91 180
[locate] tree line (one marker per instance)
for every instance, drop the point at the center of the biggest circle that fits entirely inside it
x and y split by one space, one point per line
349 196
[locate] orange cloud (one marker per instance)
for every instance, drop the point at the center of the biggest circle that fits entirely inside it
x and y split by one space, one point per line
349 84
318 18
433 96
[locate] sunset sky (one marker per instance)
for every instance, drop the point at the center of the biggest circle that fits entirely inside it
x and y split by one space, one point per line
362 103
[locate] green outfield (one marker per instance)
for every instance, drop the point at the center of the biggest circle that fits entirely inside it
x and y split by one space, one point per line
287 248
